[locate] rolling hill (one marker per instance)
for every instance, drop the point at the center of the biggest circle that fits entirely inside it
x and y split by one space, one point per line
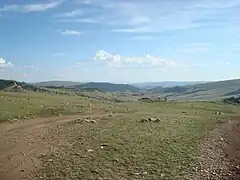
211 90
9 85
109 87
56 84
165 84
90 86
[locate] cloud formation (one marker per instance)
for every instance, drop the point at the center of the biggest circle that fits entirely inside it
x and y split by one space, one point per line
70 14
4 63
153 16
146 61
224 63
31 7
68 32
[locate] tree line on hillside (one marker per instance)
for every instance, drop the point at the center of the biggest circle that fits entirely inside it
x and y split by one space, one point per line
232 100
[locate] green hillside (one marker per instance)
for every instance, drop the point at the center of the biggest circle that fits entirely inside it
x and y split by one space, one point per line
56 83
91 86
109 87
9 85
210 90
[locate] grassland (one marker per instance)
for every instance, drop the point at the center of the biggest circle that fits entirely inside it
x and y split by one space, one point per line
117 146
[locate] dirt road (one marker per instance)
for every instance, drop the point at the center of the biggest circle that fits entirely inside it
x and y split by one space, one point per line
21 145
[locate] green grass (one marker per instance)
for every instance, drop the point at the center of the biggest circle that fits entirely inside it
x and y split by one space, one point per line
164 150
130 150
15 106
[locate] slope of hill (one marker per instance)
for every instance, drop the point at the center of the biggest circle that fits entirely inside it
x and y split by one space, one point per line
109 87
56 84
9 85
210 90
164 84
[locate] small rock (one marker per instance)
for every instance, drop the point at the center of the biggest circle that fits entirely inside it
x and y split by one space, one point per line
151 119
90 150
137 173
221 139
156 120
144 173
86 120
143 120
79 120
116 159
78 154
93 121
162 175
43 155
50 160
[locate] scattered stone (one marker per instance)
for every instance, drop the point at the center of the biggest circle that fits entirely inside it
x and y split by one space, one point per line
157 120
143 120
116 159
79 120
22 170
90 150
105 144
219 113
144 173
43 155
78 154
50 160
221 139
93 121
151 119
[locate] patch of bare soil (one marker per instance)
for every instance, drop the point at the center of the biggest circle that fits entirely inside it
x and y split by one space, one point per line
220 154
21 145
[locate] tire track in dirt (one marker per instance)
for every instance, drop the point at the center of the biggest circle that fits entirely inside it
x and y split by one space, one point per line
22 143
220 154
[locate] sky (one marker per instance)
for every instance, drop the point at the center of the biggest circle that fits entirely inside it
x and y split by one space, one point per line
120 41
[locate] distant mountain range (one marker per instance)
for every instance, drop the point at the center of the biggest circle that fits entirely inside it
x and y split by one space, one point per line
210 90
151 85
100 86
183 90
56 83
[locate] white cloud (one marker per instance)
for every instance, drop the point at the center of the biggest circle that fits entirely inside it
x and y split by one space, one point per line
4 63
224 63
68 32
154 16
146 61
79 20
84 1
31 7
70 14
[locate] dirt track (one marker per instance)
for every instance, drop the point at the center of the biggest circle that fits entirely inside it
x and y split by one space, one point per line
219 154
22 144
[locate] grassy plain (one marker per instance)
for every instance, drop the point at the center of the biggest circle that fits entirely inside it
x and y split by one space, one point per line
118 146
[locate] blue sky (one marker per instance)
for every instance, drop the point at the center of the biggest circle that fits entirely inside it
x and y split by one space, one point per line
119 40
